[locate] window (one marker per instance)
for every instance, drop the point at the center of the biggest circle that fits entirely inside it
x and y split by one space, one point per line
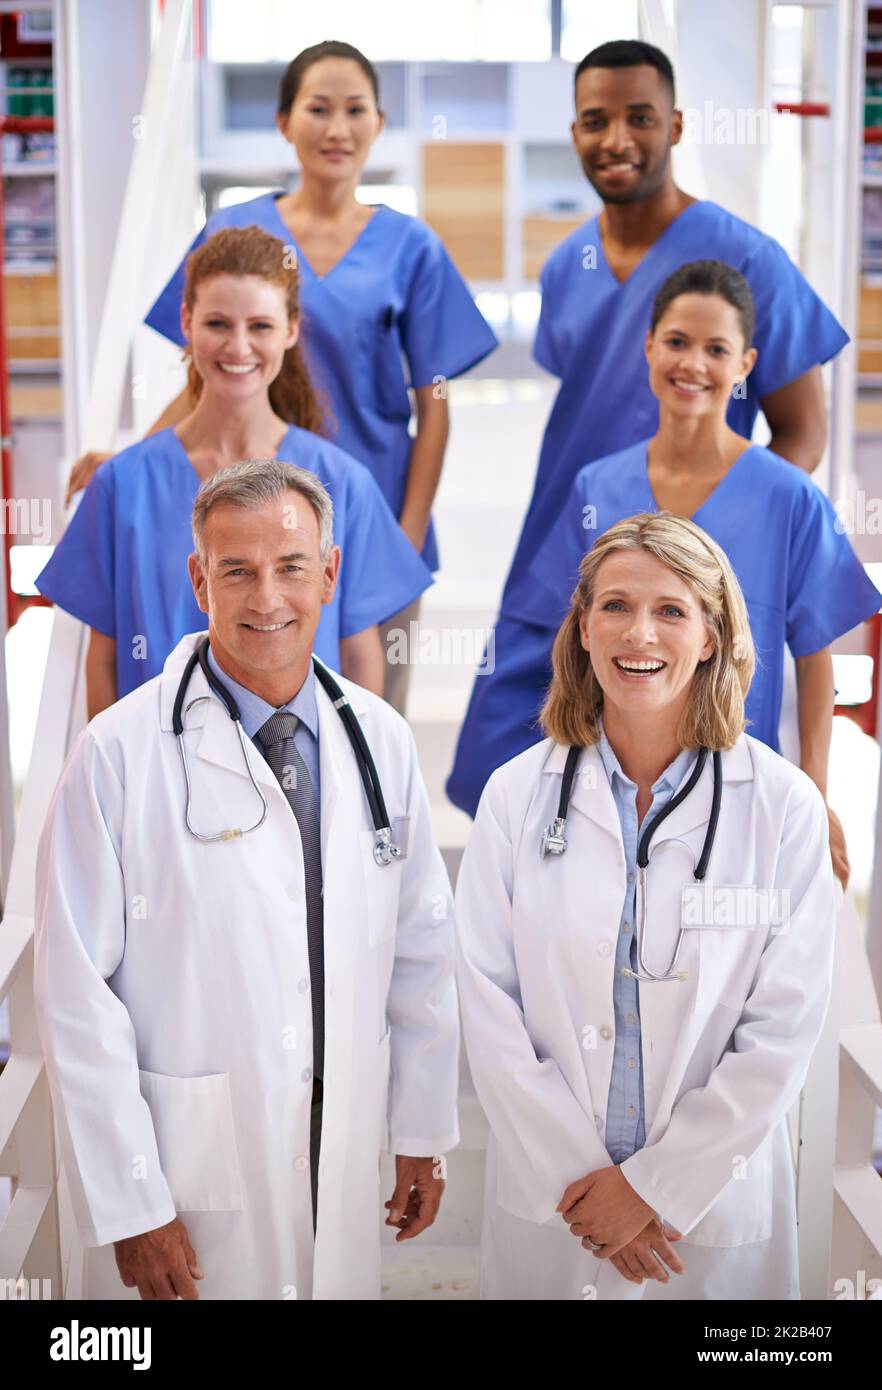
462 30
586 26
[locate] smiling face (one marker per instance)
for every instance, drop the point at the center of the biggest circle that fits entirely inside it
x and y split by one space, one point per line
645 633
263 584
333 120
623 132
697 355
238 332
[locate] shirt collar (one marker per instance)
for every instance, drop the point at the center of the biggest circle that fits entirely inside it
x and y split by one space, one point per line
668 781
255 711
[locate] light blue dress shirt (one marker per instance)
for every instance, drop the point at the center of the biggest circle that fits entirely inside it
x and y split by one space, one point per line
625 1114
255 712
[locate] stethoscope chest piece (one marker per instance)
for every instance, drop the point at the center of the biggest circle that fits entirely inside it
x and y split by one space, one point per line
384 850
553 841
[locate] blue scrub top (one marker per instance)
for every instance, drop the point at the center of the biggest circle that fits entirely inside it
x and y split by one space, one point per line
393 313
121 565
591 334
802 583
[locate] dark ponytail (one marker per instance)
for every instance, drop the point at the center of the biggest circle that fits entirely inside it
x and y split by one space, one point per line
708 277
329 48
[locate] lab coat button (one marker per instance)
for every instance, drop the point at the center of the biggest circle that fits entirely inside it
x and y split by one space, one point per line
306 1074
605 1032
604 948
303 985
301 1163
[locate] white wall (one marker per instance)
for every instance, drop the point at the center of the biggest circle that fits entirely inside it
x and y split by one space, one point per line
112 55
719 68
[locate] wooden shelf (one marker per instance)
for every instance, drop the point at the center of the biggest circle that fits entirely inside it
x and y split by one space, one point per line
31 402
30 170
29 268
464 188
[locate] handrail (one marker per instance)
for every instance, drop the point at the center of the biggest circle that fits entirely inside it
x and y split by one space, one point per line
29 1236
123 307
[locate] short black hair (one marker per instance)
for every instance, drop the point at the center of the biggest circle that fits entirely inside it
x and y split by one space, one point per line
629 53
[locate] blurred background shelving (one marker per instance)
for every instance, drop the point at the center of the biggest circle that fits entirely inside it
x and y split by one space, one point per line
30 249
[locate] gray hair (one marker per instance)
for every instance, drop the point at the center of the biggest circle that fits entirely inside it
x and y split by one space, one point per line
253 483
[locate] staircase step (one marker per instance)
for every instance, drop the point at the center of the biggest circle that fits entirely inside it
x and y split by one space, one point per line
415 1272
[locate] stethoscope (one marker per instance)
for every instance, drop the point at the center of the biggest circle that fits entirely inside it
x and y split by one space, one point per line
385 850
554 841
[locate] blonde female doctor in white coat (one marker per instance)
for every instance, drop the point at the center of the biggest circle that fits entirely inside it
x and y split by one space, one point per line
639 1143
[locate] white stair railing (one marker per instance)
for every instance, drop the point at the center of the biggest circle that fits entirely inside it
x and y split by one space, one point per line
857 1187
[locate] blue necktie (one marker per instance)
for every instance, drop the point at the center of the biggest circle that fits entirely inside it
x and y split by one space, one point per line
277 737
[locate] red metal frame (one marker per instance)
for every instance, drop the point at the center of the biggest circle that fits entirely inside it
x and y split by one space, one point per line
15 603
865 715
803 108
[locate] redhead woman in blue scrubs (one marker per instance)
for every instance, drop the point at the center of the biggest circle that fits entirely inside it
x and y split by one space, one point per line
121 565
384 307
802 582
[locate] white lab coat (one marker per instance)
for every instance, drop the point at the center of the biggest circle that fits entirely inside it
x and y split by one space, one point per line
724 1052
172 988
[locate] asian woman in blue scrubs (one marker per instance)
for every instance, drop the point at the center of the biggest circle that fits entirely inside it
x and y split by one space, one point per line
802 582
121 565
384 307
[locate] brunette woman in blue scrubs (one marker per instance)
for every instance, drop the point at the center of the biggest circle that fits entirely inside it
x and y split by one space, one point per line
802 582
379 294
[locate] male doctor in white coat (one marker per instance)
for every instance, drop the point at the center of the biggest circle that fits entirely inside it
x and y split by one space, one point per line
232 1025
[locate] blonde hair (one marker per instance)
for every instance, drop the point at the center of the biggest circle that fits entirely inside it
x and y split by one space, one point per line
714 715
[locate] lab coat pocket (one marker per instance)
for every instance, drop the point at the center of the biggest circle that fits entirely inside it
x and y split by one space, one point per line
382 886
195 1135
742 1214
728 954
